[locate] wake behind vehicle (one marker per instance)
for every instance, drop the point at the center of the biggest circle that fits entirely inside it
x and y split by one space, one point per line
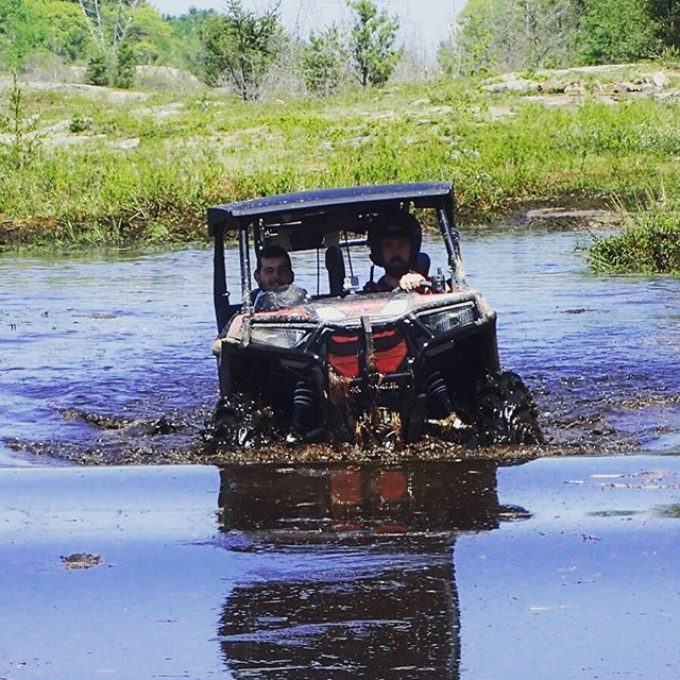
343 362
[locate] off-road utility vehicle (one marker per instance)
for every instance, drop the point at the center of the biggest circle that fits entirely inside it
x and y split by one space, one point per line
340 363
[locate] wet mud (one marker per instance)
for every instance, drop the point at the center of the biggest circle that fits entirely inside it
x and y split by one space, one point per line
616 425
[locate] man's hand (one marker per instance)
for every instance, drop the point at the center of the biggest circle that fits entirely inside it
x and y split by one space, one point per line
413 281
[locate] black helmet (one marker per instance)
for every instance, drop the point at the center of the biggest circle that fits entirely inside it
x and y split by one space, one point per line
394 225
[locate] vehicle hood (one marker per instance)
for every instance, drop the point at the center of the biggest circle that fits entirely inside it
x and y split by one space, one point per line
378 307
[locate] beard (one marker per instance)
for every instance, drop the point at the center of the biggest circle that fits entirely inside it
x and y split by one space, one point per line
397 267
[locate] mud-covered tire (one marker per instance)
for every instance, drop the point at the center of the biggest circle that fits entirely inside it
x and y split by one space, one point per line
413 420
226 421
505 411
240 422
224 428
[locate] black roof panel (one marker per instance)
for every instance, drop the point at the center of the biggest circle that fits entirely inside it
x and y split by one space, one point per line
356 199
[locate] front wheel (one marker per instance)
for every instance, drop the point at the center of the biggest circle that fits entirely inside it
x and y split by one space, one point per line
505 411
239 421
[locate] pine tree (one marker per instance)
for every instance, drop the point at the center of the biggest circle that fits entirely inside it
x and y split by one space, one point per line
372 43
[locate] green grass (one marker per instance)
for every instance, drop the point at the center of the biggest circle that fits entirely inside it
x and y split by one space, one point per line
649 243
197 150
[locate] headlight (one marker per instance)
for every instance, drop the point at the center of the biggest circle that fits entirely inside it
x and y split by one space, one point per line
446 320
277 336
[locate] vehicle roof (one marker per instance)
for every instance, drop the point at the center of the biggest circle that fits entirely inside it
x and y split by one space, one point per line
296 207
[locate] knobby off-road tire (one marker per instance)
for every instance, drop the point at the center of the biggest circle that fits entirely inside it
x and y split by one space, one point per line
240 422
506 413
223 429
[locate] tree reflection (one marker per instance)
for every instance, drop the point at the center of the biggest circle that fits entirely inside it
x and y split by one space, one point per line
357 574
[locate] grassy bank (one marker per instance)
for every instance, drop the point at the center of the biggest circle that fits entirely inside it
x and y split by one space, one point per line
97 167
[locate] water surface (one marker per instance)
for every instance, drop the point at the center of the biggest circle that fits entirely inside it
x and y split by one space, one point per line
107 359
559 568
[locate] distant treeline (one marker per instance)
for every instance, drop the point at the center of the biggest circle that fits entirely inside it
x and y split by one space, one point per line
238 48
513 35
235 47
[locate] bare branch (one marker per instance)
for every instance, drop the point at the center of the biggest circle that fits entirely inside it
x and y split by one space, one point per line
93 19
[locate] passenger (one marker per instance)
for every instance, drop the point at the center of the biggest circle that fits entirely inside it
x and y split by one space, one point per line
274 269
395 246
274 275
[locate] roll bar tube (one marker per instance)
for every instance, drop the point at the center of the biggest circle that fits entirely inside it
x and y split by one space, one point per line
452 242
248 308
220 281
244 254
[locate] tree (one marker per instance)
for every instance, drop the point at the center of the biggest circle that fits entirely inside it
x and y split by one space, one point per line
78 31
60 29
479 38
124 75
109 25
152 37
666 15
510 35
239 47
616 31
549 30
17 33
449 55
323 62
187 30
97 72
372 43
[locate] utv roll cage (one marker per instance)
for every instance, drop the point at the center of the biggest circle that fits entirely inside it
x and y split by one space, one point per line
311 219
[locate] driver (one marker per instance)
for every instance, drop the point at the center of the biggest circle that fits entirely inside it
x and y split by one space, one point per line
394 241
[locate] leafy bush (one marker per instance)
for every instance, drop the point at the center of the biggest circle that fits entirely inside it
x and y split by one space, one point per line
124 76
669 57
323 62
79 123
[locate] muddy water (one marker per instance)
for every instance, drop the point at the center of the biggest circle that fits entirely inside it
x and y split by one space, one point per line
457 570
124 339
107 359
601 353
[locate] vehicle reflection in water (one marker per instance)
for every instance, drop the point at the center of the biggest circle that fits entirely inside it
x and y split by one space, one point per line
361 578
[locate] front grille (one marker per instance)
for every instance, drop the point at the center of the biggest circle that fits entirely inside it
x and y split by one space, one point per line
345 351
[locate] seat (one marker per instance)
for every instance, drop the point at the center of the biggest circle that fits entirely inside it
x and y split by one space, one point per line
422 264
335 265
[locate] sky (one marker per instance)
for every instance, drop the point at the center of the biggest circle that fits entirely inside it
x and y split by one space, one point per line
423 22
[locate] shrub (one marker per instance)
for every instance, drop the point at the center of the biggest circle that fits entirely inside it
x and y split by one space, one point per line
649 244
79 123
